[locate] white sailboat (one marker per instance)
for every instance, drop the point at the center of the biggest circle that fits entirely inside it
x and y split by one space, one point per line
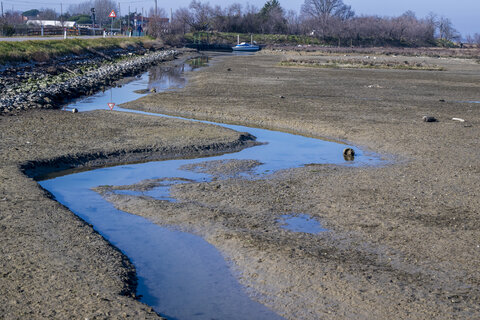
244 46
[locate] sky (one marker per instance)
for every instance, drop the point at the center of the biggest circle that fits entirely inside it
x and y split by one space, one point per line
464 14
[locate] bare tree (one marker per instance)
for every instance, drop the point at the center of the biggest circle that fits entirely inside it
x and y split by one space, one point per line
182 20
319 9
251 21
476 39
326 13
158 24
81 8
200 16
446 30
293 22
102 9
47 14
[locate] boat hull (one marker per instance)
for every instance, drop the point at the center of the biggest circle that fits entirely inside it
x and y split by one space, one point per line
245 48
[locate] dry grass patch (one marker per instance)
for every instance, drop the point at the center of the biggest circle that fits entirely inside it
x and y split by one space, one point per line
360 63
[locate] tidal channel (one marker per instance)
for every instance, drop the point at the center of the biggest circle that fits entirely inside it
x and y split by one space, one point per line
179 274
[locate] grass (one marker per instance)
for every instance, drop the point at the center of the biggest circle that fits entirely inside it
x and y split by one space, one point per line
434 52
43 50
263 39
360 63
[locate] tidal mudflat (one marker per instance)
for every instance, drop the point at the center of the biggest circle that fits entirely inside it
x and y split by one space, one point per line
402 238
53 263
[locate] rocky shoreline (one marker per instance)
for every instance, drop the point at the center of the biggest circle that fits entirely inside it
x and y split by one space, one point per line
23 90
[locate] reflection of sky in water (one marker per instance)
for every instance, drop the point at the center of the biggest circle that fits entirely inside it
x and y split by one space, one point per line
159 77
180 274
300 223
468 101
160 192
168 77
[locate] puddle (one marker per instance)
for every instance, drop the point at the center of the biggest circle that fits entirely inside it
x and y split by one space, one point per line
300 223
180 274
160 192
468 101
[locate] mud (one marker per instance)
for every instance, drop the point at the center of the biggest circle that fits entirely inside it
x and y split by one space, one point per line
53 265
402 239
223 168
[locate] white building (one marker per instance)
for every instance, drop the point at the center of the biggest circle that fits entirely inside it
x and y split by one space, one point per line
52 23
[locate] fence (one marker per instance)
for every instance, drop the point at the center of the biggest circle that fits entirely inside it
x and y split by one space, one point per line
24 30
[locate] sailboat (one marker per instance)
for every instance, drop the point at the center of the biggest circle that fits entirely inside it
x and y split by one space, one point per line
244 46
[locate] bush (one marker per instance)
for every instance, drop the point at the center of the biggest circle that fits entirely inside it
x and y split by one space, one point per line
8 30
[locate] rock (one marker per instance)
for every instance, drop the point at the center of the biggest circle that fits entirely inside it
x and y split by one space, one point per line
349 154
93 80
429 119
153 90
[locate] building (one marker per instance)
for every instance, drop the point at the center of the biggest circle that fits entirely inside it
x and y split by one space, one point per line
52 23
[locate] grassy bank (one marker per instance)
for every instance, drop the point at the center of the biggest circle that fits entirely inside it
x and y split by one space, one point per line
43 50
264 39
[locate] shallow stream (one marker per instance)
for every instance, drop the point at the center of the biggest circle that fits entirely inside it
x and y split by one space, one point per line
180 275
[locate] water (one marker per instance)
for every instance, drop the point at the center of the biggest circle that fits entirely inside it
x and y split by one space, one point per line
160 78
180 274
300 223
468 101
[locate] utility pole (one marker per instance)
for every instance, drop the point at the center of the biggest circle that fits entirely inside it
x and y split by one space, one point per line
2 10
156 10
61 13
120 15
93 20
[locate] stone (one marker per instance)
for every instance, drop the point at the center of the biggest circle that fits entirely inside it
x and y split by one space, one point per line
349 154
429 119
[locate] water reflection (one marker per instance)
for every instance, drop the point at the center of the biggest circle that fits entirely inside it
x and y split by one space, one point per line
160 78
300 223
163 78
181 274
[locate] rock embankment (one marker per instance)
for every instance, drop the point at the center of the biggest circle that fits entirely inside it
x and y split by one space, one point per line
51 91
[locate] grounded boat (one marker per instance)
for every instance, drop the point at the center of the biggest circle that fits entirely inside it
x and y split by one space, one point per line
244 46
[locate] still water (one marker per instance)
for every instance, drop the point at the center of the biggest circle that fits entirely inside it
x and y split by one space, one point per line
180 275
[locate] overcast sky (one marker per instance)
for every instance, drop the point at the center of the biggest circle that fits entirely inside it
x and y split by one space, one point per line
465 14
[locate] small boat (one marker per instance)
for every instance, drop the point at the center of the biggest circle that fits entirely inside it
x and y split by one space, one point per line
244 46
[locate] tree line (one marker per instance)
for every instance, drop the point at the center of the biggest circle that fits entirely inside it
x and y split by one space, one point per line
331 21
